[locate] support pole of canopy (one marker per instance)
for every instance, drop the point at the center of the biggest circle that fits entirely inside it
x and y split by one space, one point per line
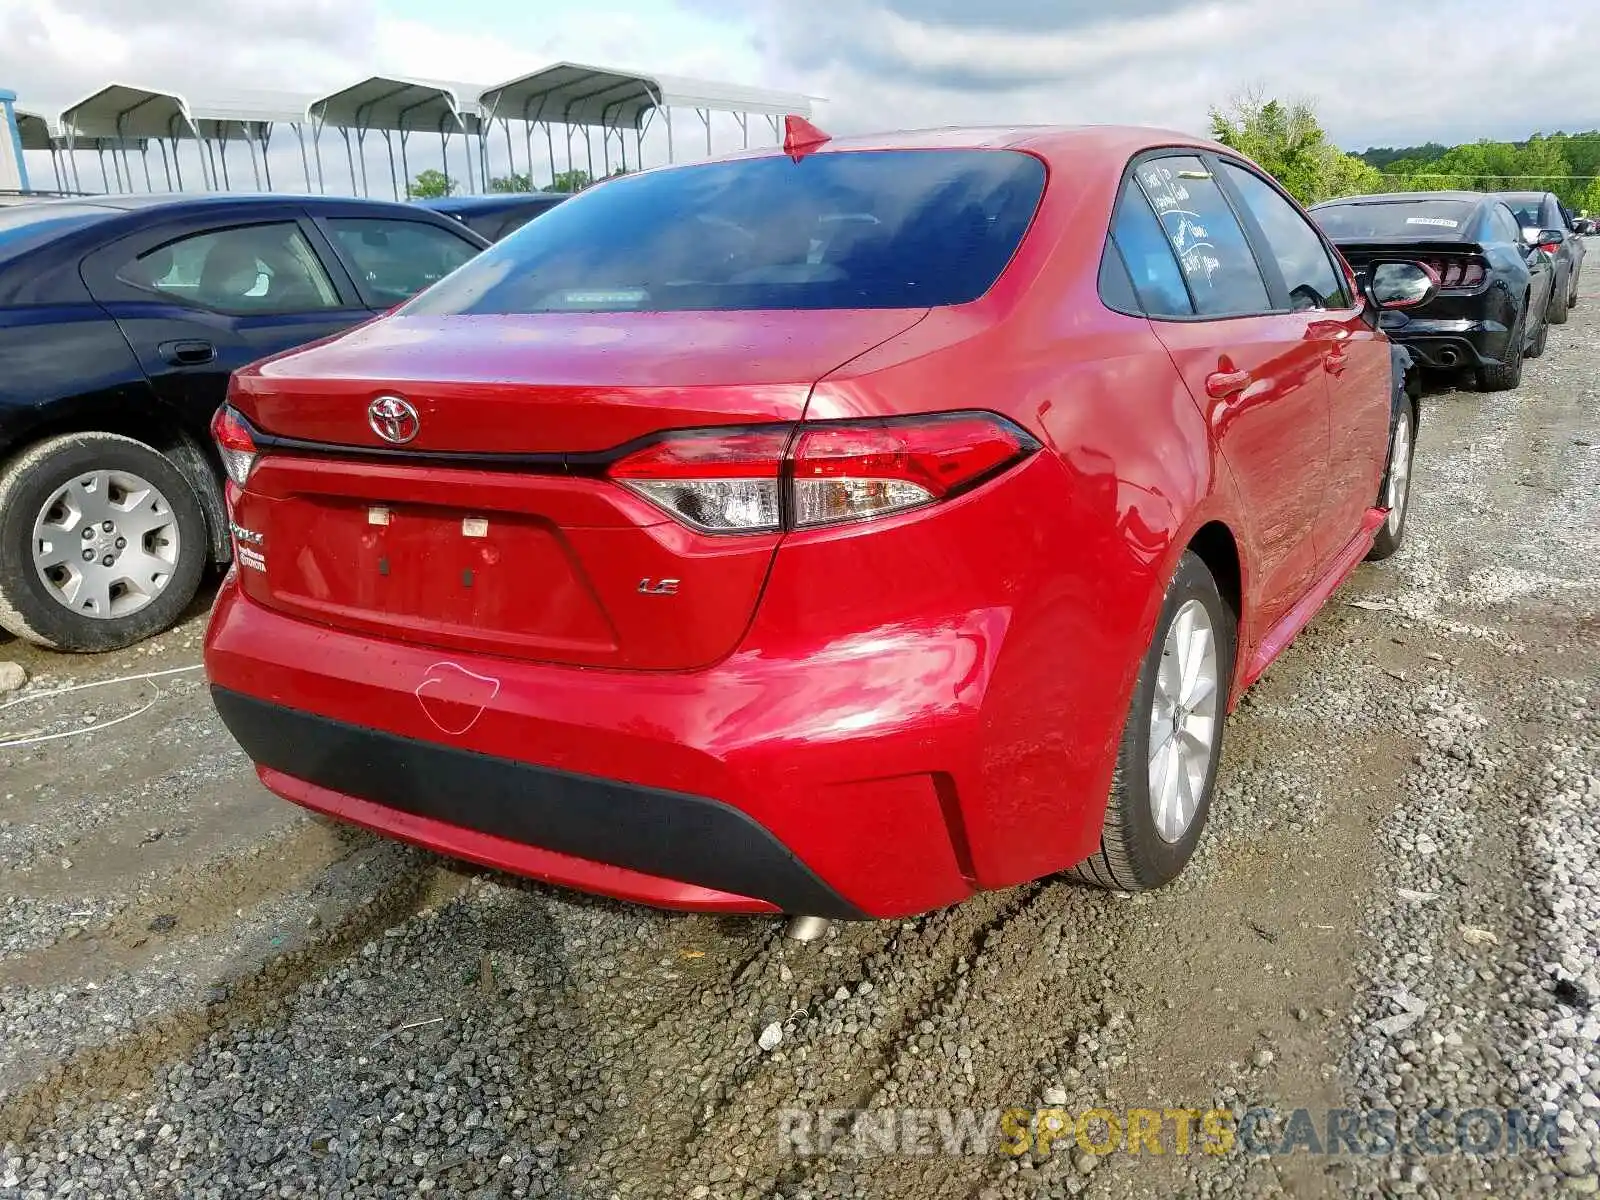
166 167
316 149
394 183
144 157
250 148
100 153
177 163
705 119
744 127
666 111
266 161
305 163
444 154
405 167
588 151
511 158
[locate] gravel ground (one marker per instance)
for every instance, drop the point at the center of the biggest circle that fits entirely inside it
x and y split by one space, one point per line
206 992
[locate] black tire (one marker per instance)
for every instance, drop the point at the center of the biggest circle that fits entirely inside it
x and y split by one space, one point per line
1506 374
1540 341
1133 856
1560 301
1392 533
1572 300
29 608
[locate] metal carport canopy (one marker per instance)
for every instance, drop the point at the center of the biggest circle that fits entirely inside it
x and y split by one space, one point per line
121 110
399 105
575 94
226 114
35 131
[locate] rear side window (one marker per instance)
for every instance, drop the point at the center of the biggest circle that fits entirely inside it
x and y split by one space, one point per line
267 268
855 229
1217 262
394 260
1505 225
1148 254
1308 272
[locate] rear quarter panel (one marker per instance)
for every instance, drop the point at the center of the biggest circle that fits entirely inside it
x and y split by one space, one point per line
65 366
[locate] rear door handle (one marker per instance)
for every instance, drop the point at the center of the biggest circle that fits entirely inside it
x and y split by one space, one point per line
188 354
1336 362
1222 384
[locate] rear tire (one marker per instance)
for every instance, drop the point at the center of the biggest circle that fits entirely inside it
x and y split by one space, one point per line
1396 491
1151 830
1560 301
1540 340
102 543
1506 375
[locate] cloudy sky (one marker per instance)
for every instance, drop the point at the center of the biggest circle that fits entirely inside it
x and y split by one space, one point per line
1381 72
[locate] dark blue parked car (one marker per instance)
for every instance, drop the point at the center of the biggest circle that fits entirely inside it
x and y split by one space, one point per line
121 319
496 216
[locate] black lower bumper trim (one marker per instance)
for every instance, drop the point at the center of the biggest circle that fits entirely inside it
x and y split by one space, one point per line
667 834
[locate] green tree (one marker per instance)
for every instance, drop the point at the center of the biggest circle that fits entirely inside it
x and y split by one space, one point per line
514 182
1289 143
430 184
570 181
1589 201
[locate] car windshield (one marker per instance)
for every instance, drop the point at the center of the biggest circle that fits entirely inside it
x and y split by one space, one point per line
856 229
24 226
1395 219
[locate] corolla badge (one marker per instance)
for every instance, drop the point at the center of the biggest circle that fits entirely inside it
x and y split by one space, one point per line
393 419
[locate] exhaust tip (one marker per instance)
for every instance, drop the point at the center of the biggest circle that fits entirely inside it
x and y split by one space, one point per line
806 929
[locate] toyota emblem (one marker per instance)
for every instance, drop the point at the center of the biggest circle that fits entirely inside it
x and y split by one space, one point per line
393 419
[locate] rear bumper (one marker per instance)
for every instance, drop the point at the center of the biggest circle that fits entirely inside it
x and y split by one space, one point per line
757 786
528 819
1449 344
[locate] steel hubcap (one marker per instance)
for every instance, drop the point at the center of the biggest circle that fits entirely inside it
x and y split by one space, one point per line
106 544
1399 472
1183 721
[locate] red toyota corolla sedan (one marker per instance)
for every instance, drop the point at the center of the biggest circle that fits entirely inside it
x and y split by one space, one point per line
838 532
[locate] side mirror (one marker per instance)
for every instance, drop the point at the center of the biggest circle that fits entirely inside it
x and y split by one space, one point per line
1401 285
1550 237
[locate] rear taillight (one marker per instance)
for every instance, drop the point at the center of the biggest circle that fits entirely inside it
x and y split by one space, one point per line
1458 273
820 473
719 480
1550 247
234 444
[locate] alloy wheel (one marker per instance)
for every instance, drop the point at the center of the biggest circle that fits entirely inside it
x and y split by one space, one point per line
1183 720
106 544
1399 472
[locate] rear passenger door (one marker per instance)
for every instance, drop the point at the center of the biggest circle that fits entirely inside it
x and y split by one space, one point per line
1254 367
1355 358
198 300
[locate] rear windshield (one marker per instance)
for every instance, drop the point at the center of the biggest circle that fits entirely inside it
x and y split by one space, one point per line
857 229
32 223
1417 219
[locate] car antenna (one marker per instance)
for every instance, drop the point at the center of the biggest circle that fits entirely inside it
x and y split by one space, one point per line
801 137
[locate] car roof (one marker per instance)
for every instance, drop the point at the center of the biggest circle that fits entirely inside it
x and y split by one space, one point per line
1110 142
199 202
1407 198
491 203
1521 196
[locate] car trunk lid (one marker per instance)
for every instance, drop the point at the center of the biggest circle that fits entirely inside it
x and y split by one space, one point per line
493 529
